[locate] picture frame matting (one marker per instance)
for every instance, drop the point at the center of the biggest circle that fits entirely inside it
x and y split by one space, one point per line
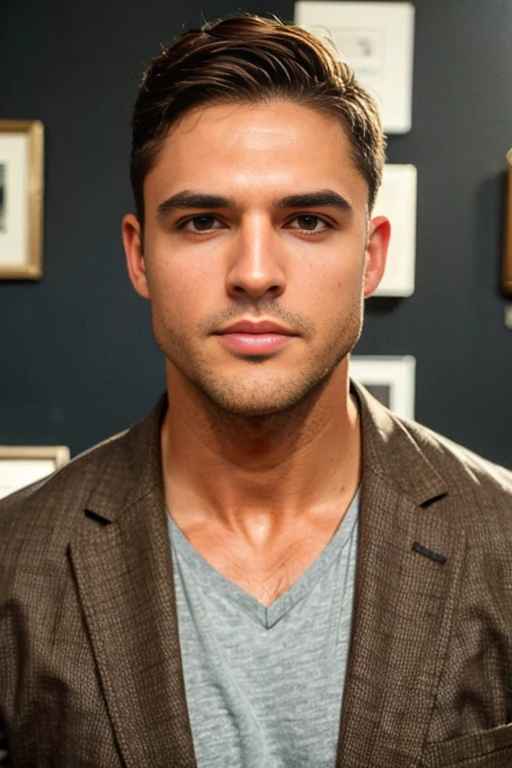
21 199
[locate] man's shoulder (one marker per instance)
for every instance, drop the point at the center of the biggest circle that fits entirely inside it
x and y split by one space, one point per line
472 481
52 511
421 463
65 491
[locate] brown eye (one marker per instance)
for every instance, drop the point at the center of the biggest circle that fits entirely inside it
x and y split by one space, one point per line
310 223
201 223
307 222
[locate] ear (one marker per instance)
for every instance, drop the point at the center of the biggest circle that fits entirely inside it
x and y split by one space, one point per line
376 252
132 241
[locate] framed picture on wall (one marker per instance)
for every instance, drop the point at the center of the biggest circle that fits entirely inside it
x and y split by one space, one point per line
388 378
396 199
22 465
377 40
21 199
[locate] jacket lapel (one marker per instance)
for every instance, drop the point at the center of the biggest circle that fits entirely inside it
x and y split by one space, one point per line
405 591
123 571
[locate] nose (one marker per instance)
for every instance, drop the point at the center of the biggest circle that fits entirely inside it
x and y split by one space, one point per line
256 261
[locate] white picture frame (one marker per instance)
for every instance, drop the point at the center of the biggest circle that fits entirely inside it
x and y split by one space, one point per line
21 199
377 40
391 379
21 465
397 200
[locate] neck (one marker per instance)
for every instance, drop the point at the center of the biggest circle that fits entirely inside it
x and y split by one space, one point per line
229 468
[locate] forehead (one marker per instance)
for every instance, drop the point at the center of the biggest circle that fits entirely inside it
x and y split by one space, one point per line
274 147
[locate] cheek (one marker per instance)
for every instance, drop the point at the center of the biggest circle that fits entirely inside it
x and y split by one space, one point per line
179 292
331 285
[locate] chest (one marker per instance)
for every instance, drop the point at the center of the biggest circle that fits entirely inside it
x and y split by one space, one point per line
263 570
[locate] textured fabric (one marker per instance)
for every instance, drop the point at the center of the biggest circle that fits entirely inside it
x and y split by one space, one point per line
264 684
90 664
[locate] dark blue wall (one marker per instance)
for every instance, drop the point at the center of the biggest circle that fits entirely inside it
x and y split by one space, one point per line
77 358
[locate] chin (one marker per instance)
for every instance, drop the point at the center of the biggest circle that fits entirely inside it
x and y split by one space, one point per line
254 410
263 400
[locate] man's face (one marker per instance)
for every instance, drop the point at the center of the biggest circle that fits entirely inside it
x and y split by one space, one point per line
257 253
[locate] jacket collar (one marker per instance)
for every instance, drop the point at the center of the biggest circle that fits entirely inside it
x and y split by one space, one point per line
391 453
134 456
386 444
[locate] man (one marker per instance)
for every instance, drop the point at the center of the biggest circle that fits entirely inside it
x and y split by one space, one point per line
271 569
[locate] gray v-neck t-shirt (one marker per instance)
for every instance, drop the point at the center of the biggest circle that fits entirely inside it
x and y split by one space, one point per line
264 685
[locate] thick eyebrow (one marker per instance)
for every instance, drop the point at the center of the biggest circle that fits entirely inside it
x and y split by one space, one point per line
322 198
189 199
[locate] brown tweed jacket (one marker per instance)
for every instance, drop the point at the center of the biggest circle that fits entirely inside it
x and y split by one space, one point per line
90 668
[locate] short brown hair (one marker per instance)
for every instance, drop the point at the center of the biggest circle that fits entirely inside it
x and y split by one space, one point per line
249 59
